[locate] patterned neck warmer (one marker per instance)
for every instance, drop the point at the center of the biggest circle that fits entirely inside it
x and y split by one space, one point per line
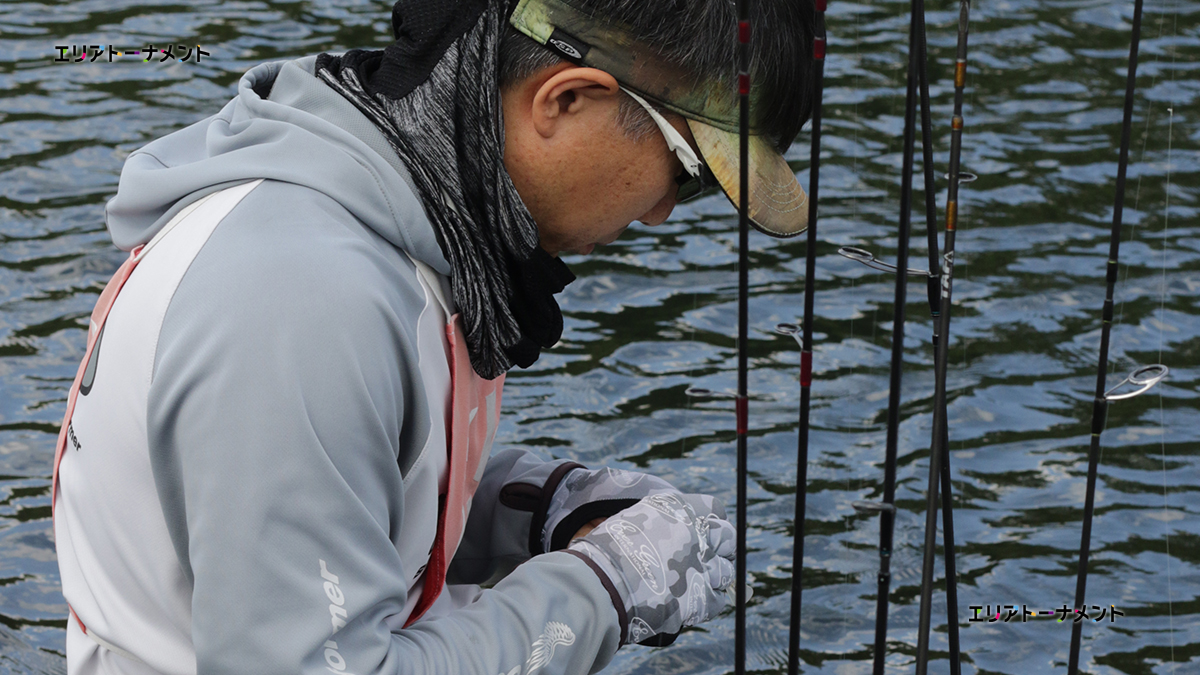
434 94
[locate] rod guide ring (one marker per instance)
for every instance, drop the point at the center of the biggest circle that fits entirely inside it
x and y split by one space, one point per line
867 258
869 508
1143 378
964 177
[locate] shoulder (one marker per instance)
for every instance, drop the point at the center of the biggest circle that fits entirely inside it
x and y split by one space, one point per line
288 257
290 293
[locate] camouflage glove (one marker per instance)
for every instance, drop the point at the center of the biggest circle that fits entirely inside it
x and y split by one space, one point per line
667 559
585 495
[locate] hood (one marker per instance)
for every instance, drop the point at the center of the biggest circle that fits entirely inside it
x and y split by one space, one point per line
303 132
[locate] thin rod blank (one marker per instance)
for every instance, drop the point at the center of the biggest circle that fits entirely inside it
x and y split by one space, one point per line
887 518
927 165
932 286
1100 405
939 452
810 272
743 13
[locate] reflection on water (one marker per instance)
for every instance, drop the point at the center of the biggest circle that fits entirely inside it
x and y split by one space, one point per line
653 314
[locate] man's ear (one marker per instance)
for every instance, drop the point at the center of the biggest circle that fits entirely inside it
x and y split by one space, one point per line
567 92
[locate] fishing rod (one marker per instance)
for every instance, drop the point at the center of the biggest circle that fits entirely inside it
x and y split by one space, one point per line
1143 378
933 278
743 53
810 272
939 451
887 508
935 310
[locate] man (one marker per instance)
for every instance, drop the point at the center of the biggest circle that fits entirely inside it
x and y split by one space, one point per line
276 454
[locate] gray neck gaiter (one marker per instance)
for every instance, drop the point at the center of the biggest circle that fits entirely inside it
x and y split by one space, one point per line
448 131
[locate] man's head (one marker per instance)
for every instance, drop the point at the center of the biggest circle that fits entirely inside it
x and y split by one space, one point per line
588 159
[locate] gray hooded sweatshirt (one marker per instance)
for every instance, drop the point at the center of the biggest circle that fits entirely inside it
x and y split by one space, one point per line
251 482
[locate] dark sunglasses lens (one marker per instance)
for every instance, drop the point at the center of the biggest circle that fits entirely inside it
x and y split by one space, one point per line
691 187
688 189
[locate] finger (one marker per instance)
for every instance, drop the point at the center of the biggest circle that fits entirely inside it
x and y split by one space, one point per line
722 537
588 527
716 603
705 505
678 507
700 504
717 508
729 593
611 482
719 573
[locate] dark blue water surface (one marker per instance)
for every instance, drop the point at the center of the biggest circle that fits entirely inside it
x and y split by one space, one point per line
654 314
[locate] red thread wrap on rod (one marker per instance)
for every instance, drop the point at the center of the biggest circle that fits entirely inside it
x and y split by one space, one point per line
742 423
805 369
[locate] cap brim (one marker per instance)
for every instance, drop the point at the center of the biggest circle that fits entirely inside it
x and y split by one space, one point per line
778 205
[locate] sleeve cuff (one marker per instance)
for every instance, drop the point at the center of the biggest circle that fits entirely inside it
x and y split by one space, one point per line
617 602
536 547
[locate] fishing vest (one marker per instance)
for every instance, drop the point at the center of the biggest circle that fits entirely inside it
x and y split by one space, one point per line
471 406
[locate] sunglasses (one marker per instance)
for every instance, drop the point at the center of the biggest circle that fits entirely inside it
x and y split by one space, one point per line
696 178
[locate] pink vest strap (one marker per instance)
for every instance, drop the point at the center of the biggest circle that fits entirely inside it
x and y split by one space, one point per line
99 315
474 412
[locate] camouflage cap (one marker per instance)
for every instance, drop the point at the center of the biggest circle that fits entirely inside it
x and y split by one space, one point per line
709 102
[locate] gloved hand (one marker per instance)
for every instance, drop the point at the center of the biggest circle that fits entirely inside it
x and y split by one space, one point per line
668 558
585 495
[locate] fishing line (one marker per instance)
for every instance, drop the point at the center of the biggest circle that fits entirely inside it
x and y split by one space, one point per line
1162 313
850 489
1162 295
1162 302
1137 194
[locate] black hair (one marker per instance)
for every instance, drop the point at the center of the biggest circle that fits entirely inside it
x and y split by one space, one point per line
701 37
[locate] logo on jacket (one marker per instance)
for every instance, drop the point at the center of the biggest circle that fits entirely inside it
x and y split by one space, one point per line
553 635
71 436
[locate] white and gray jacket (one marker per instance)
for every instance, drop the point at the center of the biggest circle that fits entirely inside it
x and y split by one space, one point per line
251 481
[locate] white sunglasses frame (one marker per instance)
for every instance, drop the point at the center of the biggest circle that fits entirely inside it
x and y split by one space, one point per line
675 140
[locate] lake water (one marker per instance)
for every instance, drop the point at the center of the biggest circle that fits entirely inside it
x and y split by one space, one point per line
654 314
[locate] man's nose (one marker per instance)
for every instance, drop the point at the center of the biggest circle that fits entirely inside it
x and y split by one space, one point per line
661 211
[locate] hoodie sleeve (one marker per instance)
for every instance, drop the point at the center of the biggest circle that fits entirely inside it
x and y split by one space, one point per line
283 396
